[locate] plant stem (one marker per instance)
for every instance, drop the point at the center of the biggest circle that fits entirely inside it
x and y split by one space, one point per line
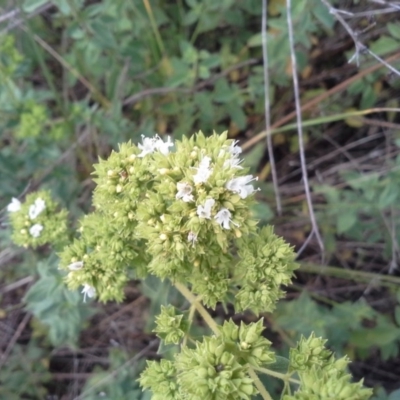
199 307
284 377
261 388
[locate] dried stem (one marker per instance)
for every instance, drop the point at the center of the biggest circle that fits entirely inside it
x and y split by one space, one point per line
267 108
315 230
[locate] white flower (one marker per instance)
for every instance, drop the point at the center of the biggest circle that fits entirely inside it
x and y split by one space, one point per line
233 163
204 171
75 266
205 211
150 145
192 237
234 149
162 146
36 208
14 206
223 217
184 192
241 185
147 147
35 230
88 291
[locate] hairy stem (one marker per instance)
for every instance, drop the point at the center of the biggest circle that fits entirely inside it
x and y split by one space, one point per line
261 388
199 307
283 377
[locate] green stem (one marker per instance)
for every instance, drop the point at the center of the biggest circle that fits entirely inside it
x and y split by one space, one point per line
284 377
199 307
261 388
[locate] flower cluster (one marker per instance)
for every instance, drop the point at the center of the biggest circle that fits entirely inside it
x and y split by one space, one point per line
37 220
217 367
186 207
266 263
321 375
170 326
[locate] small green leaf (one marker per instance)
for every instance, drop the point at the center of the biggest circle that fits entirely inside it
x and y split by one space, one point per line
345 220
32 5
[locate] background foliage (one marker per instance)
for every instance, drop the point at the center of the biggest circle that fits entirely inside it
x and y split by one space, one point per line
77 77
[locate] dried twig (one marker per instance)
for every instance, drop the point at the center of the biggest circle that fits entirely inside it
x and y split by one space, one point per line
315 230
267 108
112 374
359 46
201 85
14 339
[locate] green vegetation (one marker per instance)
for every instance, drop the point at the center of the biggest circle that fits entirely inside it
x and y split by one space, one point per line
77 78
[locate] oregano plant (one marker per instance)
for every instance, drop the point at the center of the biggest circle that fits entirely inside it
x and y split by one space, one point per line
182 211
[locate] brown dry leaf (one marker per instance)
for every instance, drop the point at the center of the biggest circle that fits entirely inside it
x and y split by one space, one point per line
307 71
161 125
354 121
274 7
278 139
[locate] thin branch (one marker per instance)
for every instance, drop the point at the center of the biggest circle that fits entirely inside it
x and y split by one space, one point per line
267 108
315 230
201 85
14 339
359 46
123 367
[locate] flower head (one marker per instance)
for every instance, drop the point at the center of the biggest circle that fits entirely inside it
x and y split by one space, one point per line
88 291
203 171
241 185
36 208
35 230
14 206
184 192
205 211
223 217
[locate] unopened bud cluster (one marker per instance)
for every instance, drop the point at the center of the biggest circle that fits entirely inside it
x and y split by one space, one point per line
321 375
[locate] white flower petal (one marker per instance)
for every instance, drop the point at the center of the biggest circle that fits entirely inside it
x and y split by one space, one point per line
240 185
163 147
36 208
205 211
75 266
88 291
184 192
14 206
203 171
150 145
192 237
35 230
223 217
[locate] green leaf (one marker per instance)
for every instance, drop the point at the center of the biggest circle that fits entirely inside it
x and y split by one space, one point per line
394 30
345 220
223 93
384 45
31 5
280 365
389 196
394 395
